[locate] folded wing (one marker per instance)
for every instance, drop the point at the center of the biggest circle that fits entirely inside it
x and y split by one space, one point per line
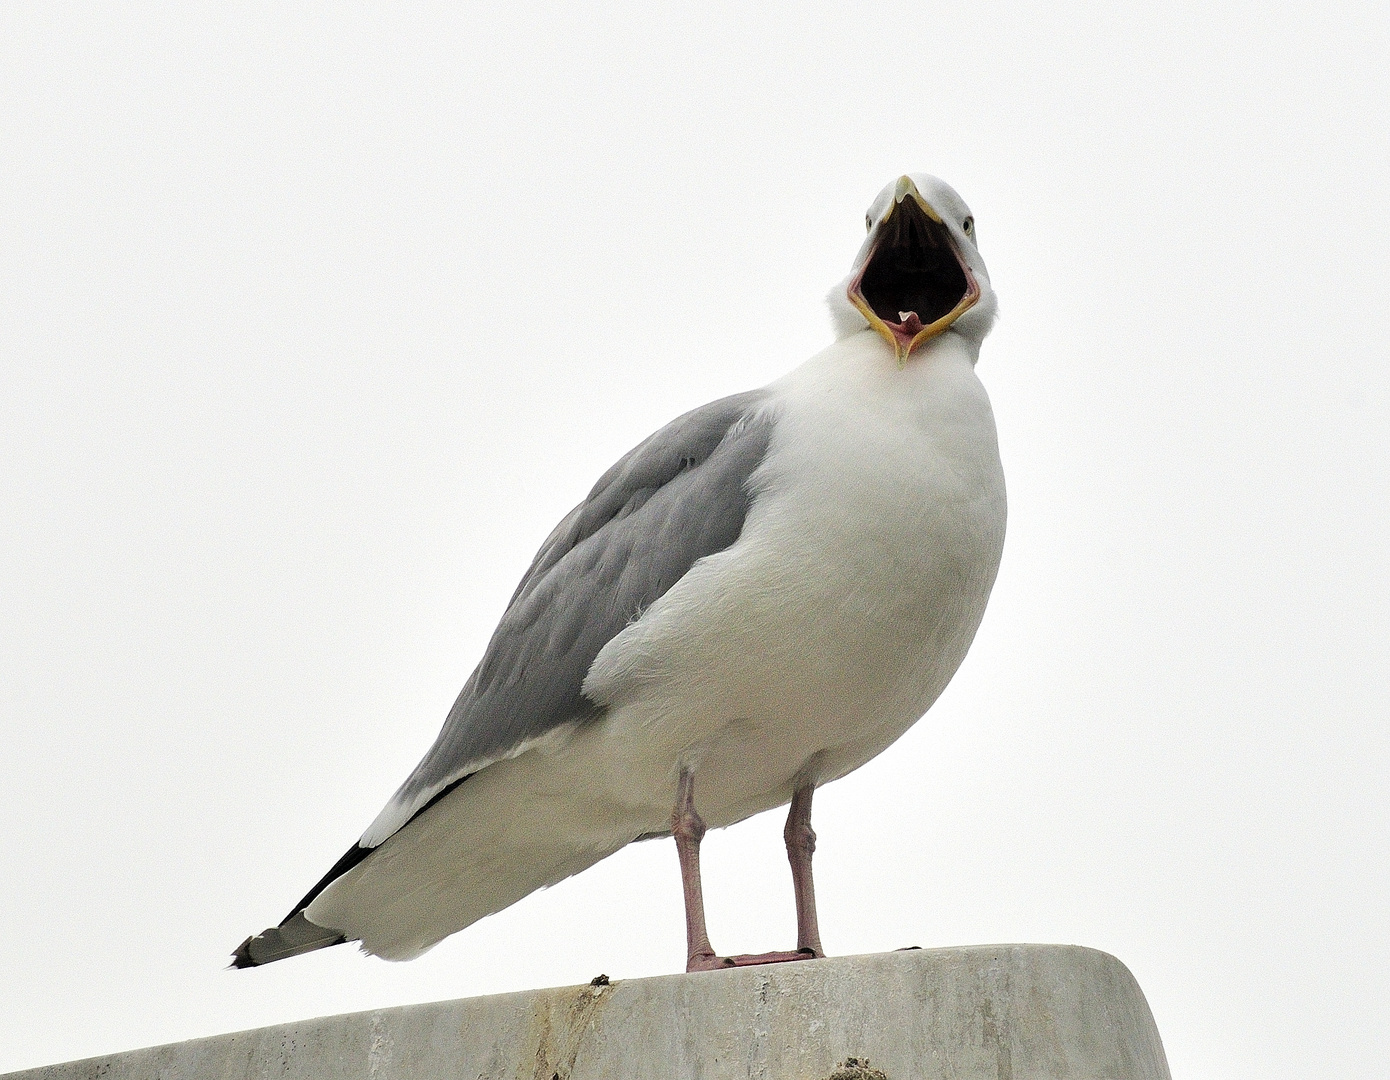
680 495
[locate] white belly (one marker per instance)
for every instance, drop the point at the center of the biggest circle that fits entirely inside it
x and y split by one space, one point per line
839 616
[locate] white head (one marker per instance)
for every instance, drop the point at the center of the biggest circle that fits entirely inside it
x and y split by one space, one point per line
919 273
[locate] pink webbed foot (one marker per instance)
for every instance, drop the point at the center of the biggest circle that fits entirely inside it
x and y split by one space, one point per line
710 962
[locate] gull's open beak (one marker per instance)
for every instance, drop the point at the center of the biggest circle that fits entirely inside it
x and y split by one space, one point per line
915 282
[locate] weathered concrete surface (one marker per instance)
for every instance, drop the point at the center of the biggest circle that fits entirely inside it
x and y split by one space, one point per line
1003 1012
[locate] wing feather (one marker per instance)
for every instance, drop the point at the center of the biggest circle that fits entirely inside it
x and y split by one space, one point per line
678 496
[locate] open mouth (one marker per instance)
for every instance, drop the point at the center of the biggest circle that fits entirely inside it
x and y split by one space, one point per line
914 283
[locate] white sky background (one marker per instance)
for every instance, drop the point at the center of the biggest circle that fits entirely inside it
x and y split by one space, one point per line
313 323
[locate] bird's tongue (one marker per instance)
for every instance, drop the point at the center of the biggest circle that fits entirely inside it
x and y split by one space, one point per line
905 330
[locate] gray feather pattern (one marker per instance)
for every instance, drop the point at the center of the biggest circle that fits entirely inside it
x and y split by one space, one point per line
680 495
293 937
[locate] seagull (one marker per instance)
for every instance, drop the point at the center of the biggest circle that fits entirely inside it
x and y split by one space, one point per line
756 600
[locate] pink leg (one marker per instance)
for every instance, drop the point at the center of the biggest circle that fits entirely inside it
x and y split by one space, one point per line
801 844
688 830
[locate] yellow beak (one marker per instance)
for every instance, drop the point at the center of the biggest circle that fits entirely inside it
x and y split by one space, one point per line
909 331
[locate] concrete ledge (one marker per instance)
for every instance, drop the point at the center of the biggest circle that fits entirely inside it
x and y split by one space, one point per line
1003 1012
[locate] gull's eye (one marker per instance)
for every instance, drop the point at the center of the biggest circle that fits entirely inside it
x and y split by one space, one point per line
968 226
868 223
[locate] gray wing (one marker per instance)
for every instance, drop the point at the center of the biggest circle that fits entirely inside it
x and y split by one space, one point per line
680 495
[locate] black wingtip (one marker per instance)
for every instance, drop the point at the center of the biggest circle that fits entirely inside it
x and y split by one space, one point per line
241 956
351 858
294 936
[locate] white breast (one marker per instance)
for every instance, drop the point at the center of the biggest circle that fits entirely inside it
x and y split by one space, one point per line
846 605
